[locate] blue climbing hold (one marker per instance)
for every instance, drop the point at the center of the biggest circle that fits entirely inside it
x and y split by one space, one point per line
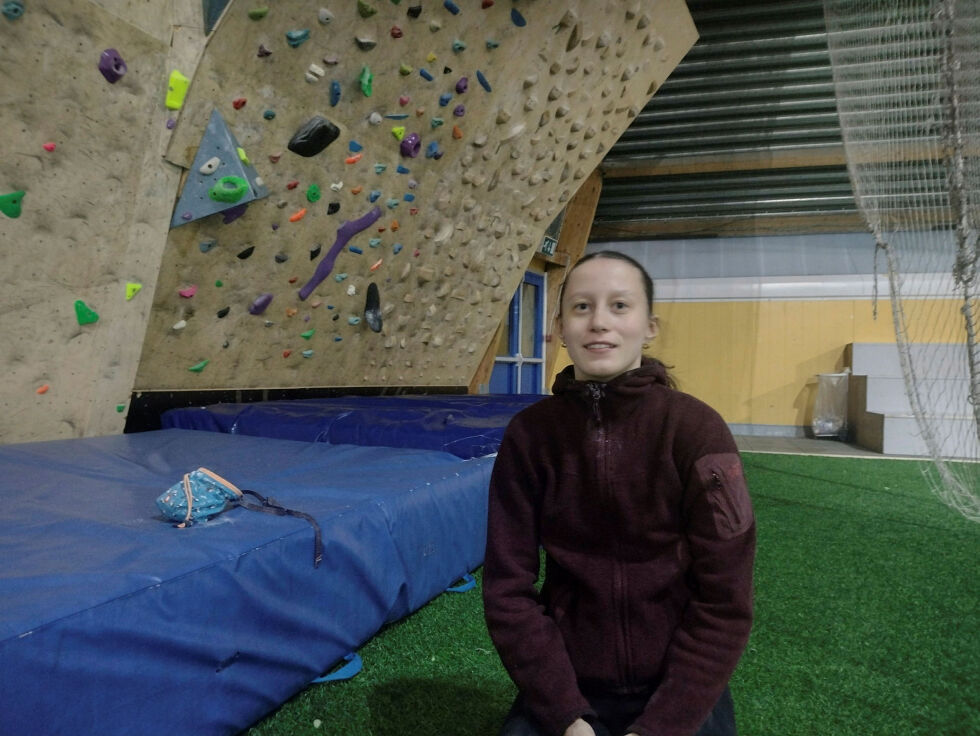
483 81
13 9
334 93
518 19
297 37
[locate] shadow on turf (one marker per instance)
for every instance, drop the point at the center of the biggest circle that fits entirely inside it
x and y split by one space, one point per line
438 707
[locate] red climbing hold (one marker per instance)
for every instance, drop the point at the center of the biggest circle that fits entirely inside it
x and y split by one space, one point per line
292 185
238 103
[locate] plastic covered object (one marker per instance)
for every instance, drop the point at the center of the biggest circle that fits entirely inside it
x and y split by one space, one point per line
830 405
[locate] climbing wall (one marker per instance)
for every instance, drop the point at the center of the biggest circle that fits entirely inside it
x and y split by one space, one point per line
384 171
85 201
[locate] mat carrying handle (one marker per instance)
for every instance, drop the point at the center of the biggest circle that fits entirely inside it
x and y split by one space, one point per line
352 667
469 582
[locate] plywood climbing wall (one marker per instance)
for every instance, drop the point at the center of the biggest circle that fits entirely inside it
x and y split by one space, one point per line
90 227
462 129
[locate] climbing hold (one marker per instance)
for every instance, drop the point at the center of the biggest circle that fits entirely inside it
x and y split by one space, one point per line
223 312
374 242
337 185
291 311
13 9
409 197
483 81
376 265
269 115
366 79
457 132
364 43
207 244
42 389
372 305
258 13
120 408
444 99
238 103
491 44
458 46
396 32
210 166
315 250
132 289
243 157
338 278
426 75
85 314
324 16
315 135
354 147
462 84
410 145
295 38
404 69
286 353
397 115
451 7
274 157
344 233
246 253
414 11
263 51
399 132
188 292
176 90
357 189
352 320
397 248
373 196
307 335
281 257
298 215
332 209
404 100
49 147
365 10
436 122
517 18
313 193
380 168
10 203
219 283
412 183
198 367
334 93
486 4
260 304
375 118
228 189
316 71
355 249
292 184
353 159
179 325
432 150
111 65
459 111
392 203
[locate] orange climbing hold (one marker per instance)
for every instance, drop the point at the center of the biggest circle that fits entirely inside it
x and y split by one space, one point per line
298 215
394 225
377 264
42 389
286 353
353 159
457 133
356 190
291 311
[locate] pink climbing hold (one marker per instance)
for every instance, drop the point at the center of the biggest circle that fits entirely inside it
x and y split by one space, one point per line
188 292
49 147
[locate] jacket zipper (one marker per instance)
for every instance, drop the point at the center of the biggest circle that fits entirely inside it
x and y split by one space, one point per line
620 598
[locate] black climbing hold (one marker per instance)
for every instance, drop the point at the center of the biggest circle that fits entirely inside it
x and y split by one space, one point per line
447 70
313 137
247 252
414 11
372 308
335 317
223 312
333 208
315 251
281 257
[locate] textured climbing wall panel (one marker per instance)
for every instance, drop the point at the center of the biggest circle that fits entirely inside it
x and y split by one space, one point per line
93 217
461 130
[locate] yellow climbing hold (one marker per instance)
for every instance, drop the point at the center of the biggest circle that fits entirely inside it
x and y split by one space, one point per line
177 90
243 157
132 289
398 131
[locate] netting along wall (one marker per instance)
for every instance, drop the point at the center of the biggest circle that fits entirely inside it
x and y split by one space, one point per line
907 78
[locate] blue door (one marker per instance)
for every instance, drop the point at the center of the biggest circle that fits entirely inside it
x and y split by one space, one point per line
519 365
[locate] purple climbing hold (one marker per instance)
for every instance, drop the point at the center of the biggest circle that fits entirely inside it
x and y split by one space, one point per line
260 304
462 85
112 66
459 111
233 213
411 145
344 233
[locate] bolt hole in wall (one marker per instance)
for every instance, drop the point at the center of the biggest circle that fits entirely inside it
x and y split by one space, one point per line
519 365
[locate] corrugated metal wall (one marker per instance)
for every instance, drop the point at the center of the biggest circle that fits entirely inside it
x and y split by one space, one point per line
743 137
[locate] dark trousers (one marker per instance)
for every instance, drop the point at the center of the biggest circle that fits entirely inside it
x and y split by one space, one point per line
617 713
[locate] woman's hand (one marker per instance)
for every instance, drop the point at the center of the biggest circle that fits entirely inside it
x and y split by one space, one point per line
579 728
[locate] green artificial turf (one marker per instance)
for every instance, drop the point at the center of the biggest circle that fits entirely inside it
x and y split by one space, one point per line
867 623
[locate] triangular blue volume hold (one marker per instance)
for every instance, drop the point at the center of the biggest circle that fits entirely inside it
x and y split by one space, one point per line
220 178
212 11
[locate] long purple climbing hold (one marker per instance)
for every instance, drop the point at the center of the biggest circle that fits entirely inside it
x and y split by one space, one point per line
344 233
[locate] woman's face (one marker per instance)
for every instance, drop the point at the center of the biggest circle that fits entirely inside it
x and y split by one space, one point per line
605 319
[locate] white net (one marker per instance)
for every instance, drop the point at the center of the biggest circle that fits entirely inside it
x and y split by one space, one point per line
907 79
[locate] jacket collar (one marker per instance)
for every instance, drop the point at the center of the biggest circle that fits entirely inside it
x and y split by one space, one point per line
650 372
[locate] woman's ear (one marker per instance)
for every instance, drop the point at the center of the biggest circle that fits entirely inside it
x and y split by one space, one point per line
653 327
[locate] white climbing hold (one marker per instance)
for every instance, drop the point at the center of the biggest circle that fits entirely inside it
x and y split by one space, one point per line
210 166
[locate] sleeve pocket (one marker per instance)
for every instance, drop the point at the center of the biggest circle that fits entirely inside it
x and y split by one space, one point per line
726 493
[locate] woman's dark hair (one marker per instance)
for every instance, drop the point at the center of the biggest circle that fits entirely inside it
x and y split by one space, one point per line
647 287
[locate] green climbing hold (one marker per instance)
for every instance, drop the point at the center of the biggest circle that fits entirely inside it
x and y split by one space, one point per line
228 189
258 13
366 79
10 203
313 193
219 283
307 335
120 408
198 367
365 10
85 315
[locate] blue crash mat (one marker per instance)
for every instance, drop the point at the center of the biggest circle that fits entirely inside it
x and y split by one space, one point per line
113 621
465 425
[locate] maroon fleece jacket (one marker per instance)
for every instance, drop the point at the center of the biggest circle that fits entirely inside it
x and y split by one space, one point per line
636 493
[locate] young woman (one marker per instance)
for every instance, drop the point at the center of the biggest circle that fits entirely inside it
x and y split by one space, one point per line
635 492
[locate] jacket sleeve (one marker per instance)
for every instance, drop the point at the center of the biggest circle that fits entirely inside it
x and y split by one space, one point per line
527 639
706 647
